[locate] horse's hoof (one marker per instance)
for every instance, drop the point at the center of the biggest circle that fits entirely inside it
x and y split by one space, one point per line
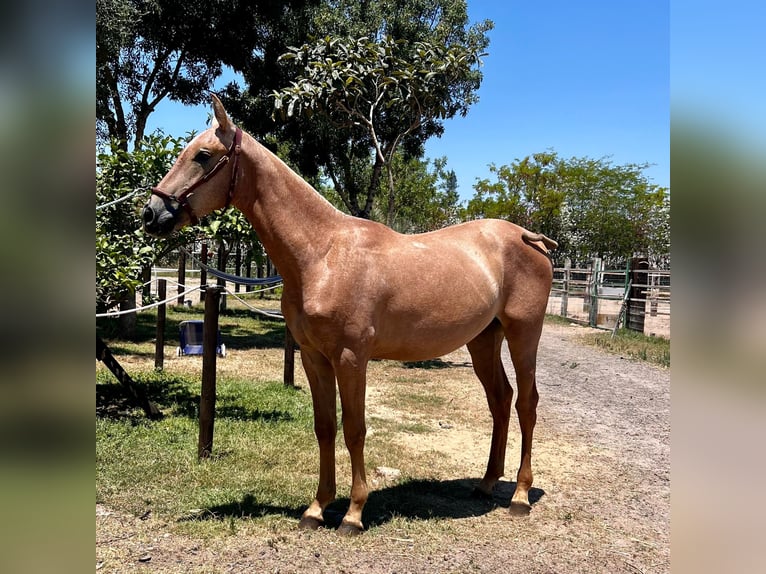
346 529
310 523
518 508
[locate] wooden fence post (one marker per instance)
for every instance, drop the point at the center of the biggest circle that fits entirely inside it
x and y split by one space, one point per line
181 276
159 345
259 274
207 395
146 290
237 264
202 270
596 278
137 392
223 257
248 268
565 286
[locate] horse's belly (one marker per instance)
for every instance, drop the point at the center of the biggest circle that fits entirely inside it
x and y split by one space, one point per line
407 340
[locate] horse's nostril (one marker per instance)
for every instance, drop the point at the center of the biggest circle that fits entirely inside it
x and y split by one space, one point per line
148 215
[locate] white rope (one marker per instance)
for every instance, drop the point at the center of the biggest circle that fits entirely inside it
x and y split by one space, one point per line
255 309
255 292
276 286
145 307
119 199
191 290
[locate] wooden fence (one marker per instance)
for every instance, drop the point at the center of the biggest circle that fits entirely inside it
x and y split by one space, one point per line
637 297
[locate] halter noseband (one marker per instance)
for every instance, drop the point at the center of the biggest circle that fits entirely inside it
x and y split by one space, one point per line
183 199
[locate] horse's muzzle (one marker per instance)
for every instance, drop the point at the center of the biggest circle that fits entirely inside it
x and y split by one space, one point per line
159 223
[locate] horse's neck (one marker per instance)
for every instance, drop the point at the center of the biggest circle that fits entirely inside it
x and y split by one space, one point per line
292 220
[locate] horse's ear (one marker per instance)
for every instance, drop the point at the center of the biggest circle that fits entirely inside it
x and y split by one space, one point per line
224 123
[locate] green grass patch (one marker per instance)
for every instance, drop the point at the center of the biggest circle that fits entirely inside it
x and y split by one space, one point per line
655 350
264 459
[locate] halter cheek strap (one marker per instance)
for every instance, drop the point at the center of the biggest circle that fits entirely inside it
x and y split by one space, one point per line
183 198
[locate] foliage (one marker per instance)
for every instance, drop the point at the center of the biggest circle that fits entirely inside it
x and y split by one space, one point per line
348 157
229 226
176 49
122 248
592 207
527 192
382 89
425 200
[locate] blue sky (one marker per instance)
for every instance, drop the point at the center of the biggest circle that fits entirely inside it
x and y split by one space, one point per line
584 78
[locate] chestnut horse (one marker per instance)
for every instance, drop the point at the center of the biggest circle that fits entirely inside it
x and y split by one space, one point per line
355 290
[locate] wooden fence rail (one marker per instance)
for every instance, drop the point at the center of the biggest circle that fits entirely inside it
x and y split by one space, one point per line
594 296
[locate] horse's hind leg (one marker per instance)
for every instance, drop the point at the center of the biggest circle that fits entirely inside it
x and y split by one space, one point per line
485 352
523 337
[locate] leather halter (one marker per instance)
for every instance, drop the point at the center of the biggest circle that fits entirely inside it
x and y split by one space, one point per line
183 198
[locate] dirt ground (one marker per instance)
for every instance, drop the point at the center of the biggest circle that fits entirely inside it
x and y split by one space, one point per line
601 501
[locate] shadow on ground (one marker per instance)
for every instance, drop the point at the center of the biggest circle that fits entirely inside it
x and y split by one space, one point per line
173 394
434 364
413 499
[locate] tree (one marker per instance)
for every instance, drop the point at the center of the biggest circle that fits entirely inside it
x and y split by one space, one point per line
528 192
590 206
425 200
613 211
147 51
176 49
356 33
230 228
387 88
122 248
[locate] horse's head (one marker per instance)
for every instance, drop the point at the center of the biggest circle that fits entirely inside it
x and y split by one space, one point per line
201 180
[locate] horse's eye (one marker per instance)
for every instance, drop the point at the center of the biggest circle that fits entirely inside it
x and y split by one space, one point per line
202 156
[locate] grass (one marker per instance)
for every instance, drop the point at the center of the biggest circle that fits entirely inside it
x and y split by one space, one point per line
655 350
263 451
557 319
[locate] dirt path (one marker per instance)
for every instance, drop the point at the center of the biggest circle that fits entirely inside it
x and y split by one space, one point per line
601 504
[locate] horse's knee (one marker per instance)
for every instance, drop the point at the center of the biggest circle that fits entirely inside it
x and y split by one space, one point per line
354 435
527 403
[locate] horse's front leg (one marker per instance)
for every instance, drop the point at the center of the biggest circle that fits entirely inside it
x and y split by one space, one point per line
352 379
321 379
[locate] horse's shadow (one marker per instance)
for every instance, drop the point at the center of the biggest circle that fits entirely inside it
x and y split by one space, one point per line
413 499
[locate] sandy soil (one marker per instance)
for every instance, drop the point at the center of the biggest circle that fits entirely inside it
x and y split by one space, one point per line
601 501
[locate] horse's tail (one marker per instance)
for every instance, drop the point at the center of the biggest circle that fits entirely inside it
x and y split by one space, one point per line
547 241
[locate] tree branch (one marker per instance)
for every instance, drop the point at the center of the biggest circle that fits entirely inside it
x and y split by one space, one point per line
173 78
338 187
118 128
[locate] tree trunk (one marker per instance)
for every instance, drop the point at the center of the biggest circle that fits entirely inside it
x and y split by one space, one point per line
373 187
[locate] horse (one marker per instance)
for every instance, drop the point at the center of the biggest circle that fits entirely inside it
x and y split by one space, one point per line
355 290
